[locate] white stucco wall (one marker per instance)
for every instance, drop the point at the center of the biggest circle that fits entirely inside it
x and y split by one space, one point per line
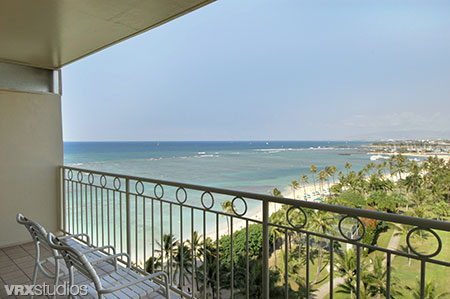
31 148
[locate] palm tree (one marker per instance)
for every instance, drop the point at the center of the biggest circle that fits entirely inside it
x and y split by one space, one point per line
183 264
167 249
391 166
196 247
255 280
301 282
278 218
341 176
313 170
401 164
348 166
333 172
408 183
403 230
210 275
370 166
430 291
346 267
322 178
383 169
276 193
151 264
321 222
412 182
328 173
294 186
227 207
304 180
441 210
377 283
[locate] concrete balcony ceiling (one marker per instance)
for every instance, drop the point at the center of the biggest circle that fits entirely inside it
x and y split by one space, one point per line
53 33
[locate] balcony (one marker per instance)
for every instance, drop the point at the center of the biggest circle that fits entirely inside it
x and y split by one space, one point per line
213 243
217 243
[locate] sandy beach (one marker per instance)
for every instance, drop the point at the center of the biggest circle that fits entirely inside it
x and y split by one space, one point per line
287 192
309 189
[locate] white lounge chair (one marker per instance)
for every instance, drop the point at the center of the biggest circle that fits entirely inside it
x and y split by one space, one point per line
123 283
38 234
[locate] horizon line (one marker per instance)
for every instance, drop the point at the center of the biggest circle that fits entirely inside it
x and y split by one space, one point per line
260 140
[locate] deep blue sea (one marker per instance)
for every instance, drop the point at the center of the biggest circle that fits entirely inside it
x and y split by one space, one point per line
256 166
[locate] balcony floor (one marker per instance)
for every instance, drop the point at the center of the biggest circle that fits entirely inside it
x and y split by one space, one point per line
17 265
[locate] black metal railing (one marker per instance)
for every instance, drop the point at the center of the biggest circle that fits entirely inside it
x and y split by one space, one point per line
219 243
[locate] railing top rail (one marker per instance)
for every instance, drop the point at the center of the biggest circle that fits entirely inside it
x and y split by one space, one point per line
414 221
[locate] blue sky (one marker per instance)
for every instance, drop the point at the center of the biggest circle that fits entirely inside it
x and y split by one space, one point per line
271 70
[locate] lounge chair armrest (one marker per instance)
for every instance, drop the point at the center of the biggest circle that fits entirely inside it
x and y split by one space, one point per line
144 278
88 239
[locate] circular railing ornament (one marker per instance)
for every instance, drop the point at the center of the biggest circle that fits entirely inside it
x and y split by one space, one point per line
203 202
289 218
136 187
91 179
79 177
103 181
360 224
245 206
162 191
117 183
408 242
177 195
70 174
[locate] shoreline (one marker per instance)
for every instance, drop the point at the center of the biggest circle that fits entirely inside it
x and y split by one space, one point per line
444 156
311 192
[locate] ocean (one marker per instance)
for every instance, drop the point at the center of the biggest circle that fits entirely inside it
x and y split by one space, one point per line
245 166
254 166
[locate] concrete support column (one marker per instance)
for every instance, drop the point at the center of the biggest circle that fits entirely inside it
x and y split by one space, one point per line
31 148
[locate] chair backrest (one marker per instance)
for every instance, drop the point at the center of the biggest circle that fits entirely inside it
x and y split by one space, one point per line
37 232
74 258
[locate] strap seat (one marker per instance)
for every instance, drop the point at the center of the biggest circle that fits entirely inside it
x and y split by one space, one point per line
121 283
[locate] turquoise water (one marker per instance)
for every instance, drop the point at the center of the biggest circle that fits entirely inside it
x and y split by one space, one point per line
247 166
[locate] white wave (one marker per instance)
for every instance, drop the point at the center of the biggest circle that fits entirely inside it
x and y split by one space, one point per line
154 159
206 156
277 150
327 148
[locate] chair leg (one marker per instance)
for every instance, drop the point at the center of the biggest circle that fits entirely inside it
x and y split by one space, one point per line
34 275
35 272
166 280
70 282
56 276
